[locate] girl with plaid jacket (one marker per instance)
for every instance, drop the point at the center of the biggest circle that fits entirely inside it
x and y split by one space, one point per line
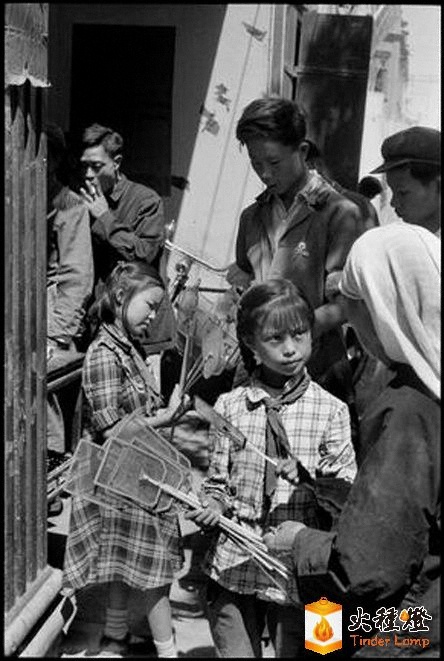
292 419
129 548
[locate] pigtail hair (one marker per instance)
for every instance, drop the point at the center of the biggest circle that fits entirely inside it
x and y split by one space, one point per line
247 357
243 332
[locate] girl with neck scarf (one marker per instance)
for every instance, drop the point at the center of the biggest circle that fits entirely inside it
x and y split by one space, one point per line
384 551
305 430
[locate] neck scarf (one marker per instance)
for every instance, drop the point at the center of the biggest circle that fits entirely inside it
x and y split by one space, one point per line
276 439
396 270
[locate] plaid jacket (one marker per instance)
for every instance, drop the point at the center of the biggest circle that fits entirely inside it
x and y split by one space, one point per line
318 430
131 546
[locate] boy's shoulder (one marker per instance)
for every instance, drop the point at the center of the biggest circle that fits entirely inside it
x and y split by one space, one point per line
68 199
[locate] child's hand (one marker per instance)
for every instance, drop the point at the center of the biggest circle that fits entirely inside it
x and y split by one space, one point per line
288 469
281 539
238 278
208 516
177 404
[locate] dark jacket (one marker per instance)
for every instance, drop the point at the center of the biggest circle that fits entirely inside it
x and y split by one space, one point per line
133 228
385 550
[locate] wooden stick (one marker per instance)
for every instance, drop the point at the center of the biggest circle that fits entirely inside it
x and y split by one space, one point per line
183 370
60 469
248 538
270 562
55 492
197 373
196 366
194 375
261 454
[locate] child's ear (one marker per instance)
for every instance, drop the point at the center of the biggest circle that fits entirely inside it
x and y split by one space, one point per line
119 296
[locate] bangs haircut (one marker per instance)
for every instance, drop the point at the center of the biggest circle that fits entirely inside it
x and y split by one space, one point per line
288 312
271 306
275 304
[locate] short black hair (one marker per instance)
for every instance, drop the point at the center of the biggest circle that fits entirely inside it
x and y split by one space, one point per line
369 187
96 134
272 118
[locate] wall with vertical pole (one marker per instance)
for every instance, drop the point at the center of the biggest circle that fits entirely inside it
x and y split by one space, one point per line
28 578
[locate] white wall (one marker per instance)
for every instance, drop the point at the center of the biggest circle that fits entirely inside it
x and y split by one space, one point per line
221 180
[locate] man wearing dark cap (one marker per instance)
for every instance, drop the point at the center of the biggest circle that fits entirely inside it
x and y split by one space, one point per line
412 163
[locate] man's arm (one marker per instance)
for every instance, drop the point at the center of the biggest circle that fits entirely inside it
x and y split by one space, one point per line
75 275
327 317
137 232
141 238
344 227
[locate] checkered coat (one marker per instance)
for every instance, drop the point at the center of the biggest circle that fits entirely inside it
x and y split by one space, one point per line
132 546
318 430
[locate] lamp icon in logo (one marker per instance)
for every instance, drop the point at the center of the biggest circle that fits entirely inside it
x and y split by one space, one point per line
323 626
323 630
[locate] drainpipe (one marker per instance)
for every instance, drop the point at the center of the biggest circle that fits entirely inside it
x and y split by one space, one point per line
22 624
60 619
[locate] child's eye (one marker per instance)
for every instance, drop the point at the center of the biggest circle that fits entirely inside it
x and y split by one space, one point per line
276 337
298 334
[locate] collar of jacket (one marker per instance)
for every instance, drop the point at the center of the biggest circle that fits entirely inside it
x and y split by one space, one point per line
314 194
119 188
110 331
256 390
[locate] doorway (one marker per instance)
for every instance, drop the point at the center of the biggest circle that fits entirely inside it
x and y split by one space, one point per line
122 77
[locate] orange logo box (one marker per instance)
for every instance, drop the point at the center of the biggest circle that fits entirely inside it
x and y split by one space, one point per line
323 626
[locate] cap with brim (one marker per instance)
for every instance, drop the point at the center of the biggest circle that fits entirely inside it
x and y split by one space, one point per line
417 144
389 165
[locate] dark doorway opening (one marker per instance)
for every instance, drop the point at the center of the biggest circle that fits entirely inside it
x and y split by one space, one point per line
122 77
